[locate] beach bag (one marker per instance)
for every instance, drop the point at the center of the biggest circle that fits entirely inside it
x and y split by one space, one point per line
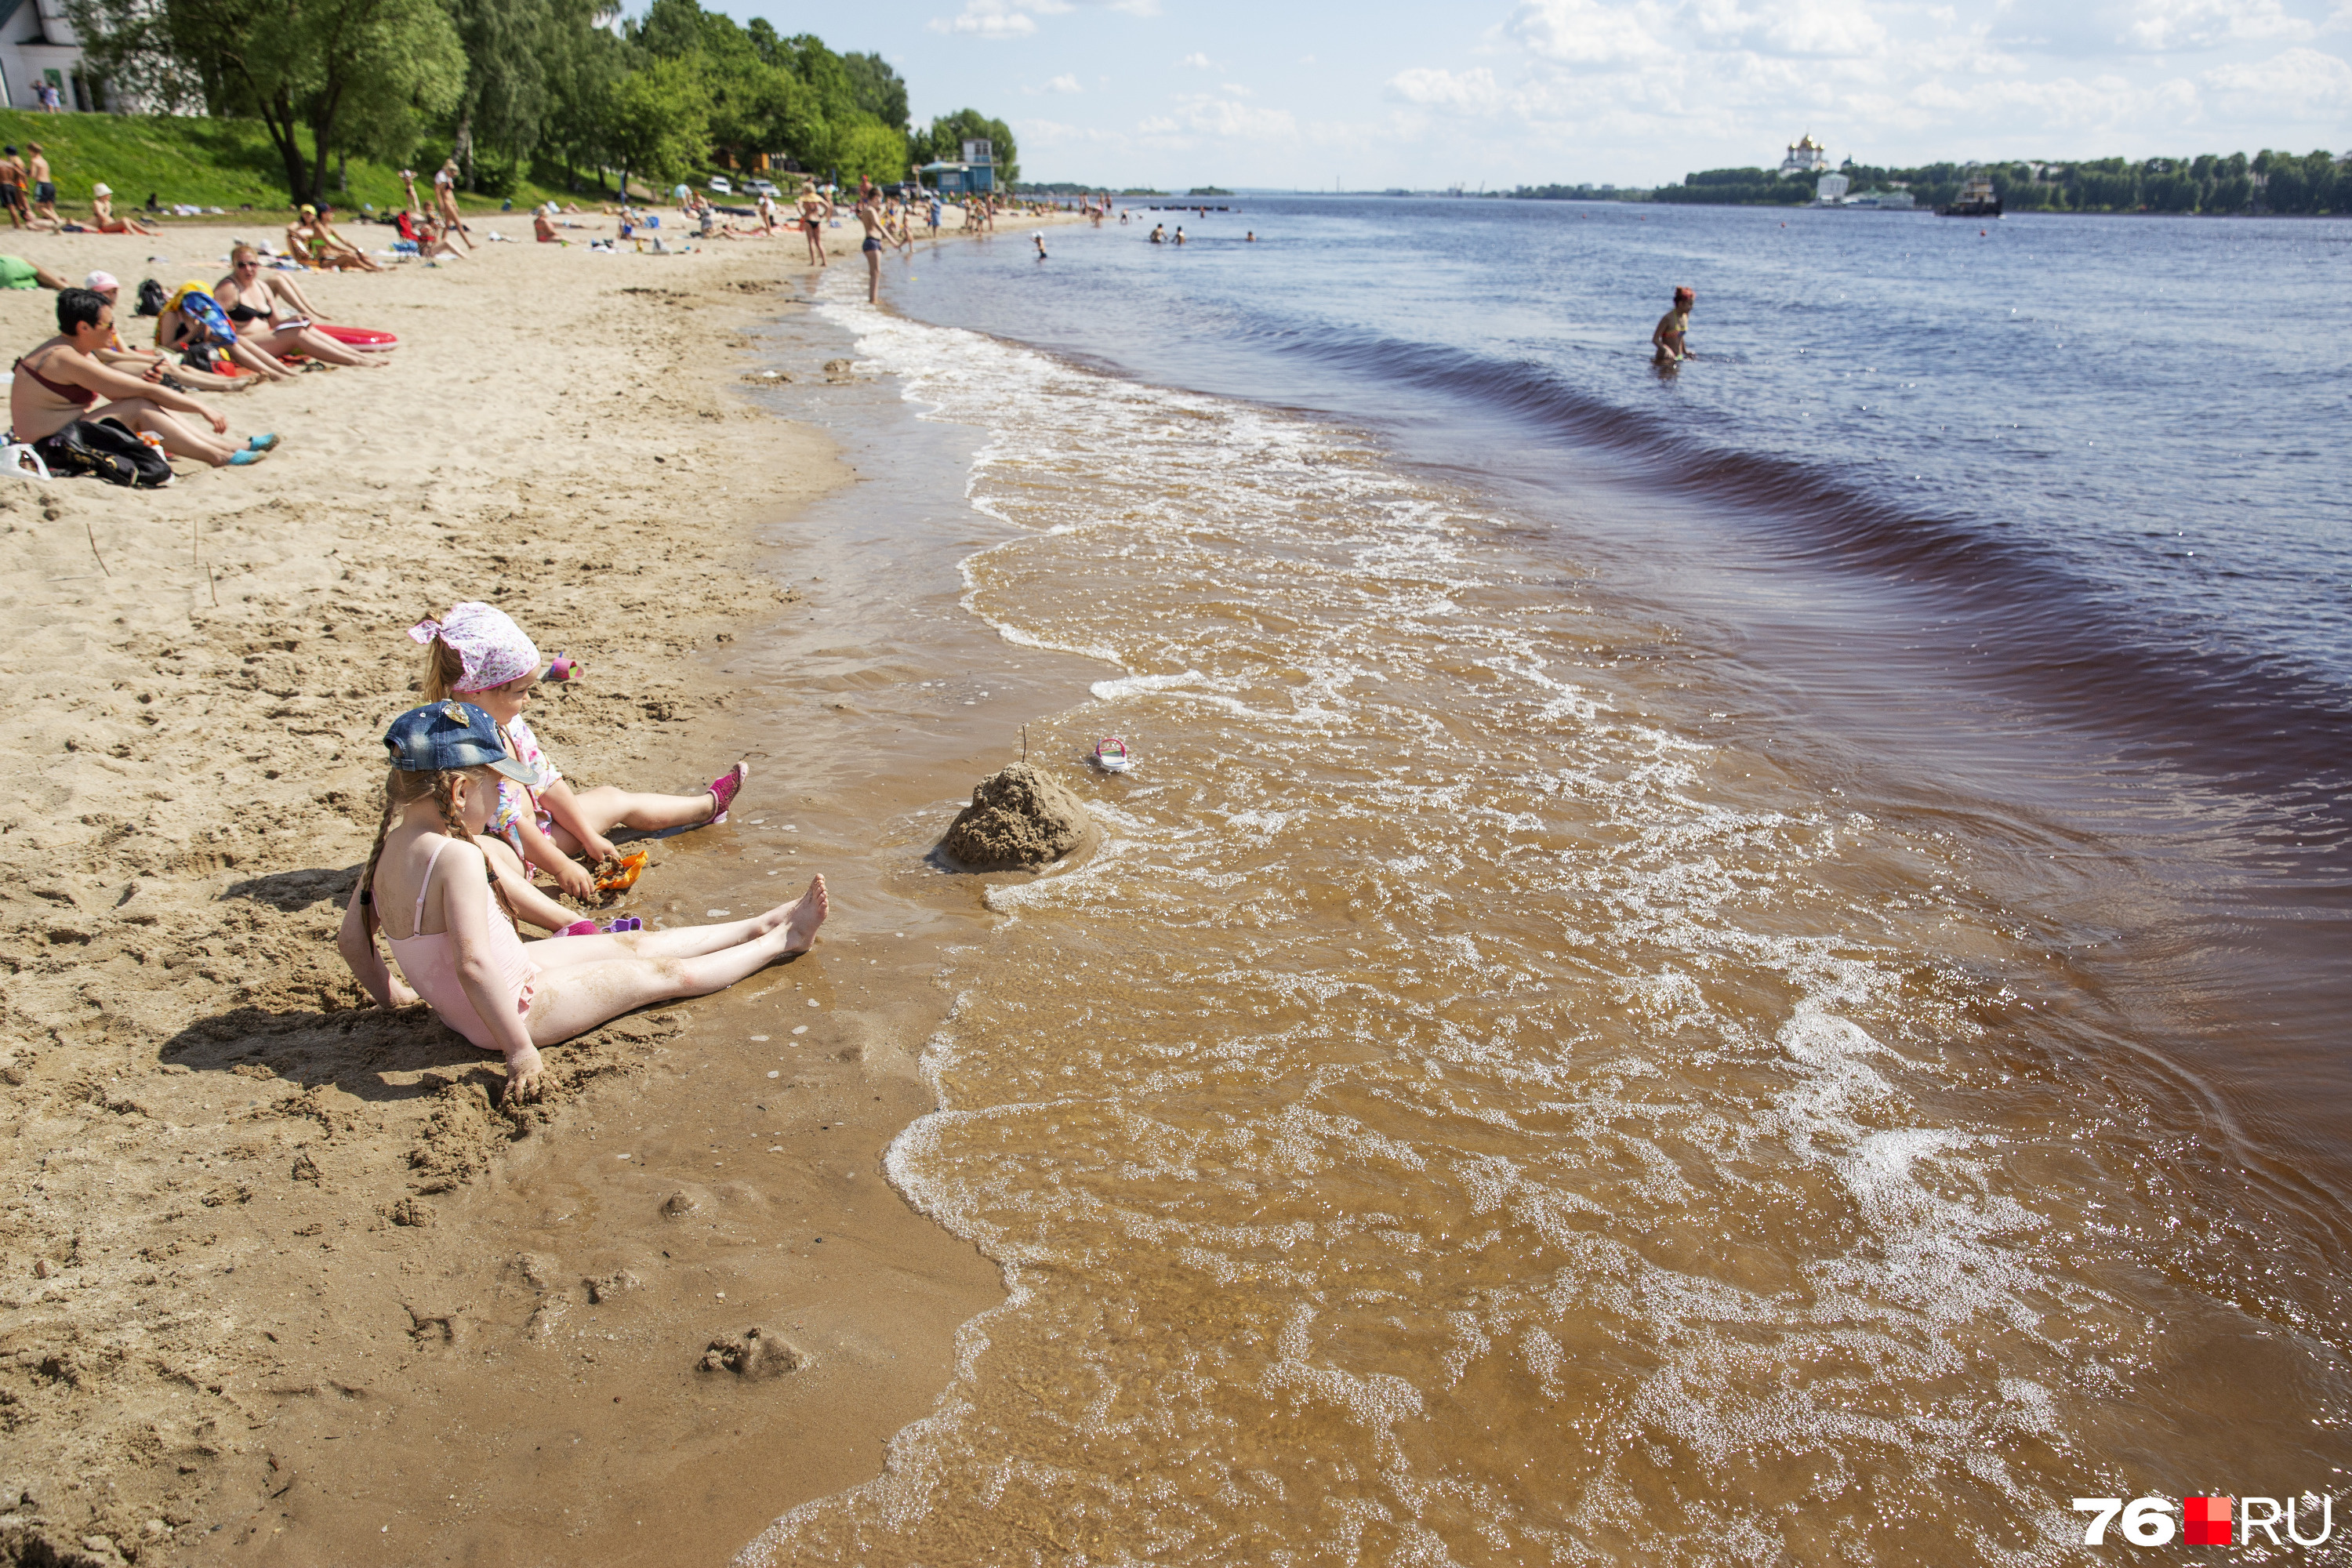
151 299
204 312
107 448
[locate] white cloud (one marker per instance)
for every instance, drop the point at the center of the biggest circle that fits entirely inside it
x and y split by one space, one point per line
1066 82
1204 116
1198 62
1446 89
2165 25
1588 33
1843 28
2302 83
987 19
1018 18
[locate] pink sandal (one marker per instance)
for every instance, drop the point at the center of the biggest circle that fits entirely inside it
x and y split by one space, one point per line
722 791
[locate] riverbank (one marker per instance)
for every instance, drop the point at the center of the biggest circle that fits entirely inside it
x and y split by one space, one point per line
255 1236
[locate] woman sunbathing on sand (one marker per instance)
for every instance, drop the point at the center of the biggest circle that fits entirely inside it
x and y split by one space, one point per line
262 304
63 380
478 654
179 332
152 364
103 218
427 886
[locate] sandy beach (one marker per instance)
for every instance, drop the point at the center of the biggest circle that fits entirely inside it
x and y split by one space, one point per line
278 1281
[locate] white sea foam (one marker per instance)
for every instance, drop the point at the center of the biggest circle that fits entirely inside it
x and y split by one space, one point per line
1447 1023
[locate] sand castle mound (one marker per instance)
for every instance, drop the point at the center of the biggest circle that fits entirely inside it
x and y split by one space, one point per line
1017 819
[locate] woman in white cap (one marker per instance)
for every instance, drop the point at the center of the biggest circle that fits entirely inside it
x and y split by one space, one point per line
101 212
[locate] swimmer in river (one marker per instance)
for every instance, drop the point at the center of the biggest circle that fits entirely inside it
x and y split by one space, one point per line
1159 234
1040 238
1251 238
1668 338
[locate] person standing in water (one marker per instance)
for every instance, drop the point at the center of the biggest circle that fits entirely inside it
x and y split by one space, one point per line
1040 238
870 213
1669 337
815 210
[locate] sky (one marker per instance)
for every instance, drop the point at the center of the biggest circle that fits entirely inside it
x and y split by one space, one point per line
1307 94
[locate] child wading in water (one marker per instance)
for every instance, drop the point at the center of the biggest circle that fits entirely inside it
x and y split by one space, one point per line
451 932
480 654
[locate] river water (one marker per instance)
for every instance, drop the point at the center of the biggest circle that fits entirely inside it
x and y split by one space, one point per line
1735 965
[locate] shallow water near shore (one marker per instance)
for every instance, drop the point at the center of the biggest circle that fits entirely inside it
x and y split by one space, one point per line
1599 1032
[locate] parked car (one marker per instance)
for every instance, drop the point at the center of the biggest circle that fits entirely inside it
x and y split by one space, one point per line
719 185
762 188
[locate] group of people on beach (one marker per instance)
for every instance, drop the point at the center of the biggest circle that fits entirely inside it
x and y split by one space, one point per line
256 324
28 188
473 809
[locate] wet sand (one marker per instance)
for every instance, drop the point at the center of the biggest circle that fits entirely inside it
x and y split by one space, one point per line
277 1281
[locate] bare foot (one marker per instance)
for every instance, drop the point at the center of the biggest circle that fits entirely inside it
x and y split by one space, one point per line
523 1075
807 913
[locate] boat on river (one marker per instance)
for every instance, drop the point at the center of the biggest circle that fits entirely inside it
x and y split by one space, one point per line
1976 197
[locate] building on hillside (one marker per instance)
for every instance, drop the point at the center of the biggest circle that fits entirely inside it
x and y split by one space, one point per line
38 49
1806 156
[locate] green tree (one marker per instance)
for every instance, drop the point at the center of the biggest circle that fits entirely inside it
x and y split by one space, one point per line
879 90
584 67
321 66
508 45
867 146
657 121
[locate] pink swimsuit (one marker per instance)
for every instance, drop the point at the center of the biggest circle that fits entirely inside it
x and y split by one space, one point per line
429 964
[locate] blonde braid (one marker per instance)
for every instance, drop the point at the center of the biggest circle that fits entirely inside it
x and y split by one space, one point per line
444 795
367 877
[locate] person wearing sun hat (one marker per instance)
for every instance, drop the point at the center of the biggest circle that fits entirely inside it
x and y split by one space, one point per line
102 214
154 365
428 889
478 653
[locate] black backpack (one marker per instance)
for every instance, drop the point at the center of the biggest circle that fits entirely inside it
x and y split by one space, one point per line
152 297
109 448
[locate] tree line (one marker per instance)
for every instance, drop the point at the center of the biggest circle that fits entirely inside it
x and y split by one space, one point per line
2268 182
552 90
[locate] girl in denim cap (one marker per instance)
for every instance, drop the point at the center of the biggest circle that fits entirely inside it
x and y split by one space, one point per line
451 932
478 654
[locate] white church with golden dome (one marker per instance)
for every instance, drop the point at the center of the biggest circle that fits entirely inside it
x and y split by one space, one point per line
1806 156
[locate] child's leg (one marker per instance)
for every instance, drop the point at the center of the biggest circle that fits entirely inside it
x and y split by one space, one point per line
685 942
605 808
522 892
574 998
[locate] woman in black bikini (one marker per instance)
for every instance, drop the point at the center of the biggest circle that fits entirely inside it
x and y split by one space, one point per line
870 213
63 380
814 208
177 332
251 299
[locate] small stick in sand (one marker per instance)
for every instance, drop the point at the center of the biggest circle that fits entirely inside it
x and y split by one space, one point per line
212 578
86 528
